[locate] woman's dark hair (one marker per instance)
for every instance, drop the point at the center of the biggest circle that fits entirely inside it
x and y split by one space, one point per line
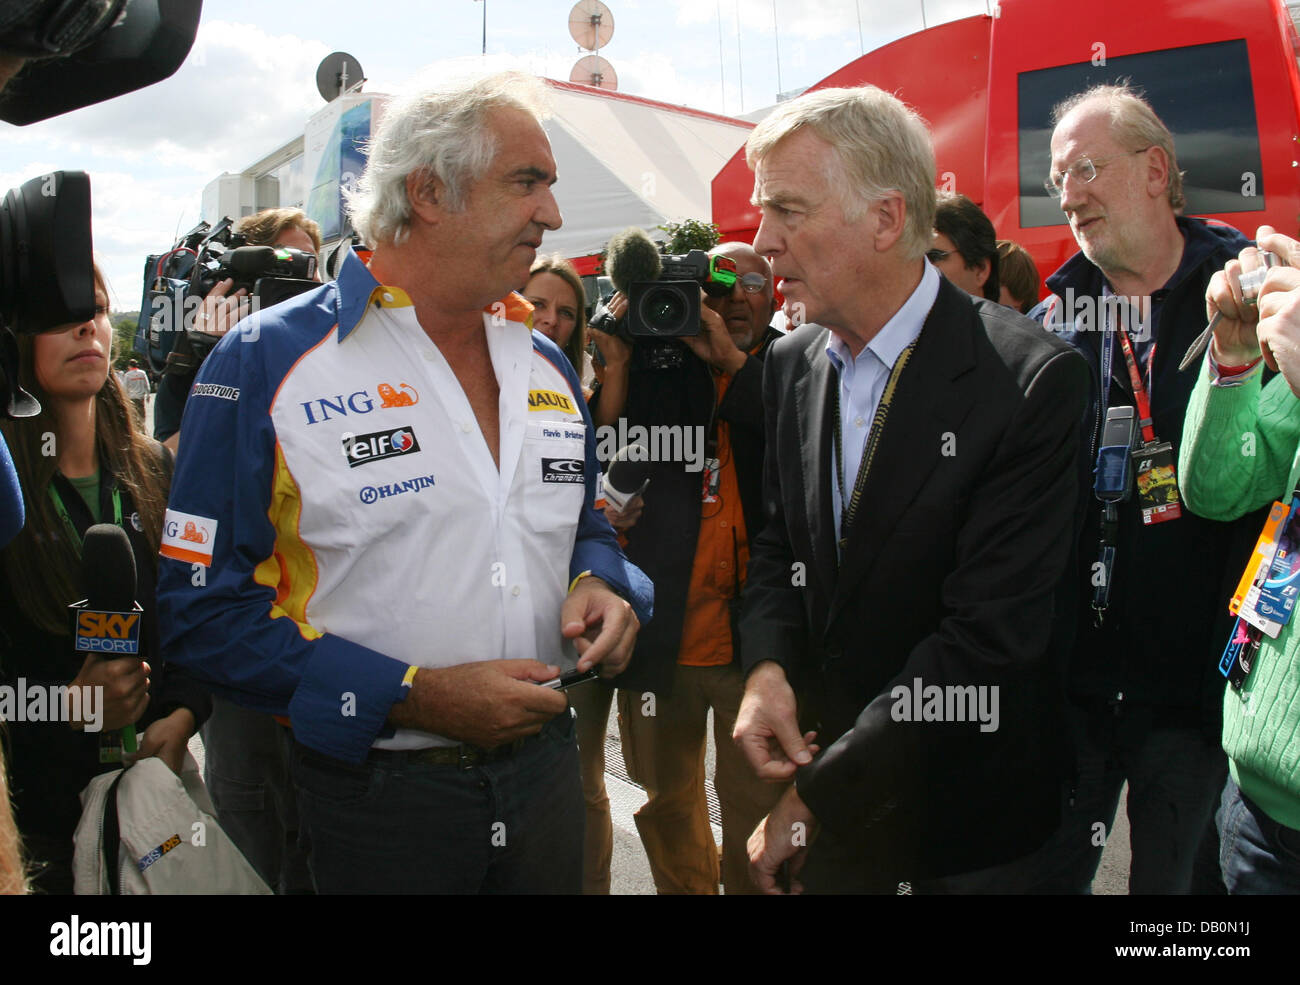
41 565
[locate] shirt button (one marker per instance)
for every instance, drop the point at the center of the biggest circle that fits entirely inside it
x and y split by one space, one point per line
465 426
723 564
724 523
429 357
858 421
388 297
515 591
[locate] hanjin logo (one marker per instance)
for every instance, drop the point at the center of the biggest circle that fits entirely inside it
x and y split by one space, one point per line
361 449
563 470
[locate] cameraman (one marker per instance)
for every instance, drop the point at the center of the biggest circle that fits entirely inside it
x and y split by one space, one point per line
221 310
692 539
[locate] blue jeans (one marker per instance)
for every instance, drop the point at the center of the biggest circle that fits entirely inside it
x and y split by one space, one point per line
1258 855
1174 776
395 824
246 770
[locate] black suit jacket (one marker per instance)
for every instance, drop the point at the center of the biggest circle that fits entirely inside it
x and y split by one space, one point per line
962 533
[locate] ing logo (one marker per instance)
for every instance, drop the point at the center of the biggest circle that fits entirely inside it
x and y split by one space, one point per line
389 396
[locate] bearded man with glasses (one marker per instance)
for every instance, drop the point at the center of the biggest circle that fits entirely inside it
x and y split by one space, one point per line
1146 583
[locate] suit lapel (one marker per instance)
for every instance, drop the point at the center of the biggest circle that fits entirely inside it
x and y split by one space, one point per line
935 392
814 390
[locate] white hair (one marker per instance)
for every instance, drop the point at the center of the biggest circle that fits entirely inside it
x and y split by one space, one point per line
879 146
443 132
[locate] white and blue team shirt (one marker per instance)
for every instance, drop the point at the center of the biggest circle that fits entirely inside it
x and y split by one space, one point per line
336 515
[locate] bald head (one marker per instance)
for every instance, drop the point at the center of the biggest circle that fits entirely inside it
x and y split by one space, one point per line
747 315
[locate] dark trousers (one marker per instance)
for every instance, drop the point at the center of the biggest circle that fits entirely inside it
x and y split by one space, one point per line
1175 776
398 825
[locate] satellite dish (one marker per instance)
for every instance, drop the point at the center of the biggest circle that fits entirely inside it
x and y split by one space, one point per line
593 70
591 24
336 74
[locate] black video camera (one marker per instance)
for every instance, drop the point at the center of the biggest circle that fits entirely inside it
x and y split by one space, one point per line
176 282
77 52
46 268
669 308
663 311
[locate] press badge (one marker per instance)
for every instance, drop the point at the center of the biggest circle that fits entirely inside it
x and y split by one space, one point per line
1239 655
110 747
712 479
1157 483
1270 600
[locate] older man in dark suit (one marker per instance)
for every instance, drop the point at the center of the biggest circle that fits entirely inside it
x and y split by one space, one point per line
919 518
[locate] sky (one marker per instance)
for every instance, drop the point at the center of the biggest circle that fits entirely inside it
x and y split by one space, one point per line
248 85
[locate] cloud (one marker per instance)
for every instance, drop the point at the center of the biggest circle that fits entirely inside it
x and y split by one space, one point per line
237 95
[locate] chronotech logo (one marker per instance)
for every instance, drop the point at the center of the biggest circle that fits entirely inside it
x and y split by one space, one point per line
563 470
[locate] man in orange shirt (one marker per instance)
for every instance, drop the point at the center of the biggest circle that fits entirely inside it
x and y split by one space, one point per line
692 539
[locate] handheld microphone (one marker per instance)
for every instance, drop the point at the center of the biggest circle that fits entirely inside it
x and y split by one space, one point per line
632 257
627 477
108 621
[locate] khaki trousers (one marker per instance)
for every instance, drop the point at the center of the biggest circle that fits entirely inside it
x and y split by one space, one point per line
663 747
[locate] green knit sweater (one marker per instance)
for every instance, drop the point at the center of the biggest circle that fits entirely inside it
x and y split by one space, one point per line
1241 450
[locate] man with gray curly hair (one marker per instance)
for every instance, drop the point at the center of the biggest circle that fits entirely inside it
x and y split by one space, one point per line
919 500
433 552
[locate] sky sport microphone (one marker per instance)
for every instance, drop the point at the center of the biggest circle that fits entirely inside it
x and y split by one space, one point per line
632 257
627 477
108 621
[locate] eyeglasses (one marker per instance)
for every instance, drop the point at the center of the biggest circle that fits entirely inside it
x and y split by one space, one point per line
1084 169
753 283
937 255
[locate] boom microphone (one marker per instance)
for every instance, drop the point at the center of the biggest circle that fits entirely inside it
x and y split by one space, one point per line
109 621
632 257
627 477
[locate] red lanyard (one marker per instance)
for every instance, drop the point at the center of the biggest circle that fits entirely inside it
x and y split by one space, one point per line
1139 391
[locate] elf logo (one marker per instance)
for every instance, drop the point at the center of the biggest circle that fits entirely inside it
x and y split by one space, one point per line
362 449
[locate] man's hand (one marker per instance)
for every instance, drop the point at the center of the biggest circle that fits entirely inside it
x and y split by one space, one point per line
486 704
627 519
780 837
714 343
767 727
614 350
167 739
219 313
1236 340
602 626
125 694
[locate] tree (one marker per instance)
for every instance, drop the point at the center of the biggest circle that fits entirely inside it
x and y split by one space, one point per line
690 234
124 326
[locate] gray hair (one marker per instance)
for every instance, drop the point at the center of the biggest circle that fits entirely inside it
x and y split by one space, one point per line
1134 125
879 146
443 132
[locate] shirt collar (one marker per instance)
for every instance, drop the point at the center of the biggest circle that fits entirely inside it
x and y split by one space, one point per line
357 290
897 333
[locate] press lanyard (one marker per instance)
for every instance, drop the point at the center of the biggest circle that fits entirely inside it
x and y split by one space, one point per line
849 505
1139 391
62 510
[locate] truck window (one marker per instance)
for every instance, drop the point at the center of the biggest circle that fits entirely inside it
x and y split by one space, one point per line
1203 94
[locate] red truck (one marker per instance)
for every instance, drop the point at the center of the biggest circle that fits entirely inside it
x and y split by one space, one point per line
1222 74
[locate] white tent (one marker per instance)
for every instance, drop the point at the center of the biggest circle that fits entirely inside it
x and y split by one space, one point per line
627 161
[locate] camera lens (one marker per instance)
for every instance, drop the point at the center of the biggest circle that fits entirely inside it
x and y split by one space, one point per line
663 311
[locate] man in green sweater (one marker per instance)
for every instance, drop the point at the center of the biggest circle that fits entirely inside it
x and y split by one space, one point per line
1241 450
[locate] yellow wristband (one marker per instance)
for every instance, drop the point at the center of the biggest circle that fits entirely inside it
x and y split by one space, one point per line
574 584
408 679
